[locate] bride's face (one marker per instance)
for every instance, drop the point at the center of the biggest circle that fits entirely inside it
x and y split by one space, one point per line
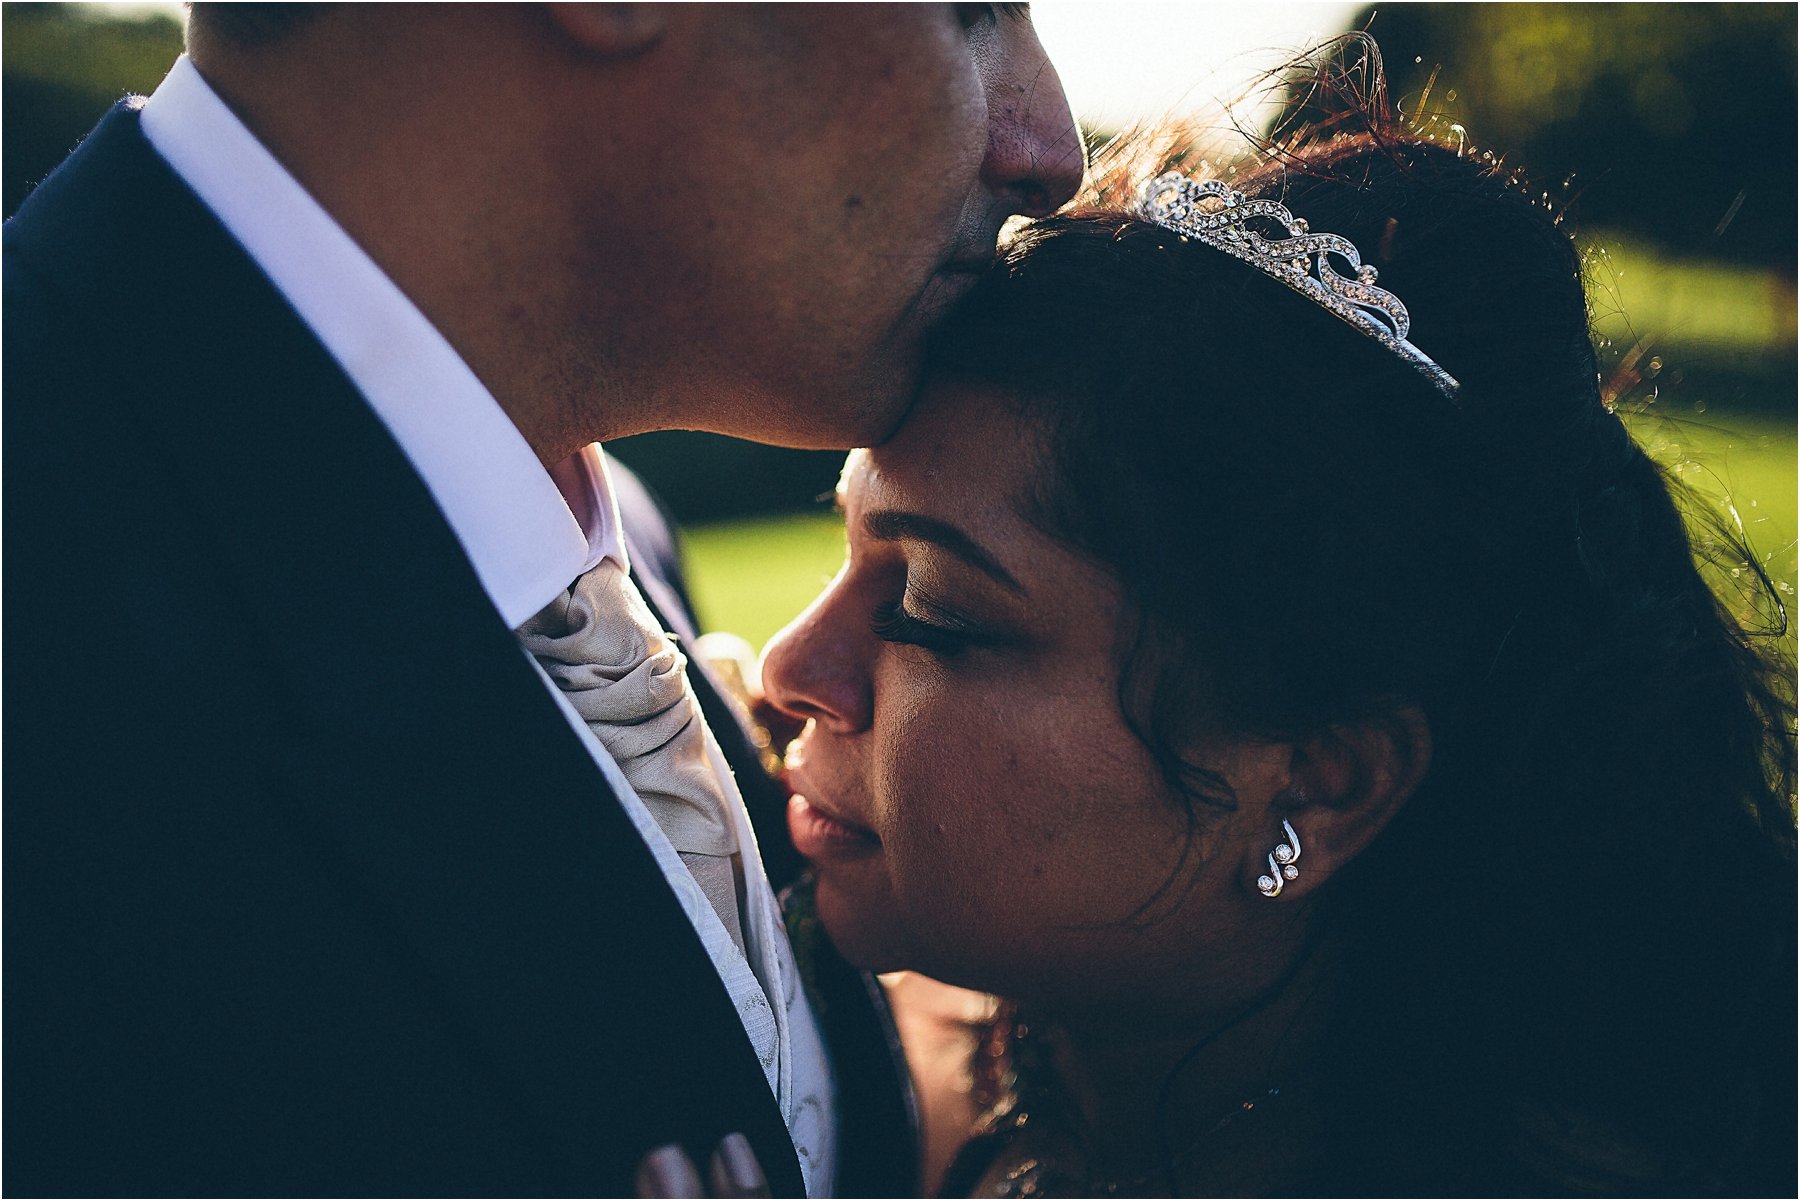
968 791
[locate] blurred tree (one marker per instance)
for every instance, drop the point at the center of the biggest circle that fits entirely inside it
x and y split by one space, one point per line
1672 122
64 66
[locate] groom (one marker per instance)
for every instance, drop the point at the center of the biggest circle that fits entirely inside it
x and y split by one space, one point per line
314 883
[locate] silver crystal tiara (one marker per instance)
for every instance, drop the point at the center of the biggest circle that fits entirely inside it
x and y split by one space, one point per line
1210 211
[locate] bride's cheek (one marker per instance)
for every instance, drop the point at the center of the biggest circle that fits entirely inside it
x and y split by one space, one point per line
905 745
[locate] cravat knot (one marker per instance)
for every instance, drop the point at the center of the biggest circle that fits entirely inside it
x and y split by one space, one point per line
600 644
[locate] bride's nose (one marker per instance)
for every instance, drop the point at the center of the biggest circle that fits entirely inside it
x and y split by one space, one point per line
818 667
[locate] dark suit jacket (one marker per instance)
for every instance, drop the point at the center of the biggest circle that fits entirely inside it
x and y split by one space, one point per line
310 888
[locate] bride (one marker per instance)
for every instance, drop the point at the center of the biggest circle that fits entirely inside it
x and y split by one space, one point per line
1265 662
1306 713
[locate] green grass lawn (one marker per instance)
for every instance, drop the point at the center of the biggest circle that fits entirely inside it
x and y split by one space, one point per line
751 577
1745 465
1745 468
1700 306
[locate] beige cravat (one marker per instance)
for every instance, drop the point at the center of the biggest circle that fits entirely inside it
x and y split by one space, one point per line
600 644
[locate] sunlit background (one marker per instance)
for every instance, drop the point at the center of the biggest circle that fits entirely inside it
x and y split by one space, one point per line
1122 63
1671 128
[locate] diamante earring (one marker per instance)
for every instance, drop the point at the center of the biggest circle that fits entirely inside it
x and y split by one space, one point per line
1281 864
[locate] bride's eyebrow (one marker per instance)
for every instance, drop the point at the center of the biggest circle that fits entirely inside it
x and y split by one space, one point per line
893 525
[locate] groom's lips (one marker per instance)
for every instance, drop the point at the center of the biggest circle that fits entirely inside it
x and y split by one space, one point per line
819 833
950 281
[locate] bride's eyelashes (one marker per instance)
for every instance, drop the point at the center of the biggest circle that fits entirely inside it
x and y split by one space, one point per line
940 632
892 623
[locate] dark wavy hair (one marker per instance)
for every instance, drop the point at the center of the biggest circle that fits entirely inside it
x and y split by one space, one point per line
1571 957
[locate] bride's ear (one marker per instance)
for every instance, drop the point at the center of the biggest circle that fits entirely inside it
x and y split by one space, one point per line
610 30
1345 784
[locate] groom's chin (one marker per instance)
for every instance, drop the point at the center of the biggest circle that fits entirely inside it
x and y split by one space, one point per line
864 403
868 414
850 413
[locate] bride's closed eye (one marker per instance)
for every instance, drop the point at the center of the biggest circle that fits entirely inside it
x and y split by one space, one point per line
929 551
939 631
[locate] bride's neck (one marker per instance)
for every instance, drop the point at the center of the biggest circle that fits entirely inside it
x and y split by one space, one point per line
1143 1101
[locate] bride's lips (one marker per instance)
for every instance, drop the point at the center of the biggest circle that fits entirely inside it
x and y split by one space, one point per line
819 834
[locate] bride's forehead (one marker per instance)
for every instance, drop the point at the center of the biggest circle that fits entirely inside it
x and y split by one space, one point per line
863 484
846 472
955 428
959 452
924 475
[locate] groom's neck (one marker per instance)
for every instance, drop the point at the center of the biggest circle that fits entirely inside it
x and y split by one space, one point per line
447 174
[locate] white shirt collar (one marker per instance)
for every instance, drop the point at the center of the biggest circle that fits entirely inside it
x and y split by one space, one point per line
525 541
